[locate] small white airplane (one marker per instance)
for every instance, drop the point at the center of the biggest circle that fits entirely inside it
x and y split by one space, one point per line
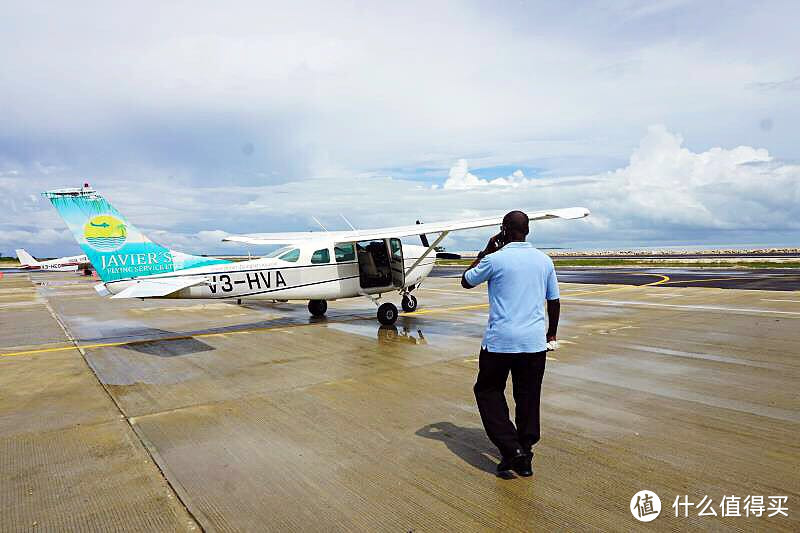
70 263
313 266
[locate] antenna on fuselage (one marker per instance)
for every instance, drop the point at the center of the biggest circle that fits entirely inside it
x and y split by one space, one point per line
348 222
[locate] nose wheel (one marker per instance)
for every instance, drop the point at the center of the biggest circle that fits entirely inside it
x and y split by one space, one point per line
317 308
387 314
409 303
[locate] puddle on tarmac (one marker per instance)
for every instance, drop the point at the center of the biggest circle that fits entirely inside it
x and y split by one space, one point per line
405 331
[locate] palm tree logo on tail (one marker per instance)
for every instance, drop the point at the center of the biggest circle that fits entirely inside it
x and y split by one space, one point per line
106 233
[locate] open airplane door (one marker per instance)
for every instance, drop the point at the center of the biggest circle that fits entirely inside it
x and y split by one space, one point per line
396 261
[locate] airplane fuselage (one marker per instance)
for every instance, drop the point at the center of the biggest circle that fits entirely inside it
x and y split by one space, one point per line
62 264
275 279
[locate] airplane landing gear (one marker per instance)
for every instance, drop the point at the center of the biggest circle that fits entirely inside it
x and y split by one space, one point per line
317 308
409 303
387 314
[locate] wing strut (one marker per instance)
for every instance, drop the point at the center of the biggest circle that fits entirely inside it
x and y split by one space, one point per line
426 252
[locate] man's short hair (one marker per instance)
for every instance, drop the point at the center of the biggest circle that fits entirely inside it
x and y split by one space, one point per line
517 222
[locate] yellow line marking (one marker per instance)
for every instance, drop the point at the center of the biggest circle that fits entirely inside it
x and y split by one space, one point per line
664 279
40 350
706 279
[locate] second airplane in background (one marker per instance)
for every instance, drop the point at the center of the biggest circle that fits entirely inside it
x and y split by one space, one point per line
314 266
62 264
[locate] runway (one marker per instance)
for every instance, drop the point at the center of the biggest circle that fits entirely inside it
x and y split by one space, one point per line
177 415
775 279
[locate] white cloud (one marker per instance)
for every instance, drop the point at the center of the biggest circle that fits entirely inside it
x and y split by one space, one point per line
460 178
736 188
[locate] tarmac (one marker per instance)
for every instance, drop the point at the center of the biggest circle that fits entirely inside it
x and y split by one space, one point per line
176 415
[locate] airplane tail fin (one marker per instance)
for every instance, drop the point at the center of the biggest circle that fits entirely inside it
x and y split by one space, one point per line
114 246
26 259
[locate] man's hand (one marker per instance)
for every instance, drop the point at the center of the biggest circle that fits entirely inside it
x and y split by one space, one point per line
553 312
552 343
494 244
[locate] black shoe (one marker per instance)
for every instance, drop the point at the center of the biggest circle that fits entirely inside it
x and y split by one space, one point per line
508 465
523 465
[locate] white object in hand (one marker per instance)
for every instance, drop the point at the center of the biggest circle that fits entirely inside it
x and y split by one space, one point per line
552 345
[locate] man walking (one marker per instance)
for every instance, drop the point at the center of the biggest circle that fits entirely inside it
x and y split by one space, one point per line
520 279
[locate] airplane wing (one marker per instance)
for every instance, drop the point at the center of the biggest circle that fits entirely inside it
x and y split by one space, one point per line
148 288
398 231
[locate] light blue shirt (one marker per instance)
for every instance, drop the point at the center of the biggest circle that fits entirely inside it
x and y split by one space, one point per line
520 279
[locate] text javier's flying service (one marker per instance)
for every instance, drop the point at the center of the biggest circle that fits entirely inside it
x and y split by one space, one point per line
314 266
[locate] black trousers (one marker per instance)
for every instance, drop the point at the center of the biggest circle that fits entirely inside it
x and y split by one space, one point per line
526 370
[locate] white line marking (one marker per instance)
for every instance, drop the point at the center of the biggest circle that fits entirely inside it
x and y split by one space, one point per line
776 300
689 307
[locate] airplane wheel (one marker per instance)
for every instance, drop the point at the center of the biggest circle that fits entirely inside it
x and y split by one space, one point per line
387 314
409 303
317 307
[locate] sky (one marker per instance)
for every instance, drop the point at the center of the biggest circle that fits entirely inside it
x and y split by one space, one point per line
674 122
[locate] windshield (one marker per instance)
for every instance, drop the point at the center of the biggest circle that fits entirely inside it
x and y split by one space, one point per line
279 251
292 255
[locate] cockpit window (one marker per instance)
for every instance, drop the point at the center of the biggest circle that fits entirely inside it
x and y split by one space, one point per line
344 252
292 255
321 256
397 249
280 251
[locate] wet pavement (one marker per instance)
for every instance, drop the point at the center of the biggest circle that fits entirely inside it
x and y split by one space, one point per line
181 415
